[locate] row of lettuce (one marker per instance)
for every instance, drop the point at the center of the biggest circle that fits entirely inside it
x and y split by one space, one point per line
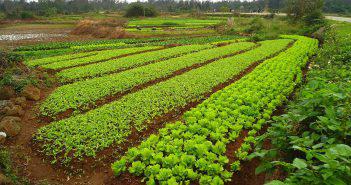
194 150
120 64
61 48
86 134
111 66
82 93
60 62
313 137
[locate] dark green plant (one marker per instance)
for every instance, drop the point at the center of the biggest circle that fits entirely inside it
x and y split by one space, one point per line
6 165
9 59
170 24
26 15
138 9
255 26
312 140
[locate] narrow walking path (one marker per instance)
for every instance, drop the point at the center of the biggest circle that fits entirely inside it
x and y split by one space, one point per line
335 18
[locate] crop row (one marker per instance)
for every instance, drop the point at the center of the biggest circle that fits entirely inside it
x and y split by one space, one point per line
90 47
65 45
46 50
48 60
84 135
197 40
125 62
101 55
196 150
170 40
83 93
28 55
172 22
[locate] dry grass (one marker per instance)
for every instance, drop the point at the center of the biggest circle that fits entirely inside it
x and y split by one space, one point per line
108 28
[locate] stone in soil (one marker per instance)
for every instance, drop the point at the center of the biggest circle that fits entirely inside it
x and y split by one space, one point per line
31 92
20 101
5 103
14 110
11 125
8 108
7 92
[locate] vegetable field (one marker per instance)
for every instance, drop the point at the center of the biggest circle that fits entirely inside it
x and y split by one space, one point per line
163 111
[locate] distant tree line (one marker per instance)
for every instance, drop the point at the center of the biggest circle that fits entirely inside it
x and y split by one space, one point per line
23 9
337 6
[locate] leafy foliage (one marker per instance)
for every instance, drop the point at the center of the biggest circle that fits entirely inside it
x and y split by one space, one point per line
99 56
207 128
99 128
109 66
313 137
138 9
88 91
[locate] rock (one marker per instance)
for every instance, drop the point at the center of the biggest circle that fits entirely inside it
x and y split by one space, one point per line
7 92
4 180
2 137
21 101
3 105
15 110
8 108
10 125
31 92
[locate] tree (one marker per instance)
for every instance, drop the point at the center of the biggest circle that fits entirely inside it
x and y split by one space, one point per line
224 8
298 9
138 9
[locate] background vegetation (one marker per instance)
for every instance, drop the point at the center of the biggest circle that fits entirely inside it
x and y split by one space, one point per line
29 9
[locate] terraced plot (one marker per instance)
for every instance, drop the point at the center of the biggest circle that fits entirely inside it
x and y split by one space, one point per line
60 58
125 63
100 56
61 48
196 150
86 134
83 93
112 99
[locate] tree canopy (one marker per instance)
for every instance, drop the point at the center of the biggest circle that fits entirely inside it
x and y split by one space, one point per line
51 7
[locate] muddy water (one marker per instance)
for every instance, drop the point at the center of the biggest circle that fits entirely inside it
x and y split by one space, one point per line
24 36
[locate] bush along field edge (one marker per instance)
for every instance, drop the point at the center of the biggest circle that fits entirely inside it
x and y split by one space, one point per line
311 141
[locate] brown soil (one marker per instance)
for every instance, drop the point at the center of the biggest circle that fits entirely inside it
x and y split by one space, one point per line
32 165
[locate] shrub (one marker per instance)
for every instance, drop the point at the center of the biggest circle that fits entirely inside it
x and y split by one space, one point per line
315 17
48 12
11 73
26 15
269 16
9 59
256 26
170 24
137 9
6 166
264 36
